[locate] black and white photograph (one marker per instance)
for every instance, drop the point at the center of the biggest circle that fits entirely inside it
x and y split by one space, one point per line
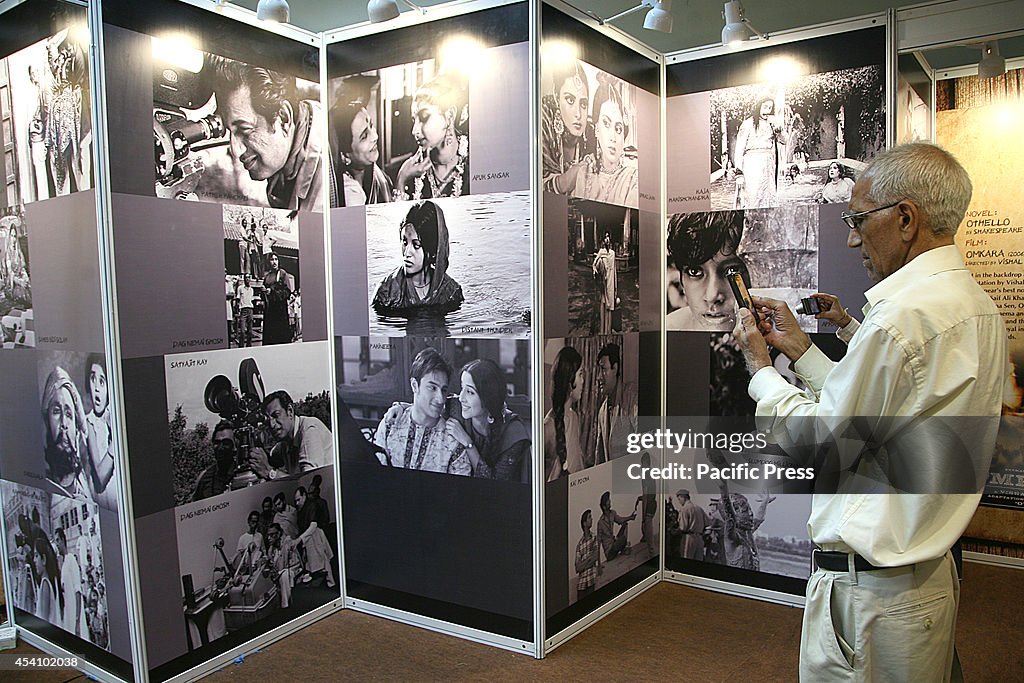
588 132
604 266
450 267
257 553
593 387
261 276
234 133
802 140
78 441
775 251
753 529
243 417
17 321
49 120
401 132
451 406
611 530
55 561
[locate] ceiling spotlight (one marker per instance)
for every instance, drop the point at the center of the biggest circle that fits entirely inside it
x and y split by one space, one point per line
659 15
992 64
386 10
272 10
737 27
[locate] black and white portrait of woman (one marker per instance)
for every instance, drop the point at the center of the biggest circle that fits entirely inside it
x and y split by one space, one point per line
589 134
400 133
450 266
16 329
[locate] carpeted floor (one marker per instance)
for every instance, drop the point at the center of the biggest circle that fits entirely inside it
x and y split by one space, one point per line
670 632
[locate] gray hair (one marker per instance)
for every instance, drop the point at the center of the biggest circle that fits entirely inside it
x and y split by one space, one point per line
927 175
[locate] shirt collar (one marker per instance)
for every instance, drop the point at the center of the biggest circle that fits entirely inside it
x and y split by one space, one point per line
927 264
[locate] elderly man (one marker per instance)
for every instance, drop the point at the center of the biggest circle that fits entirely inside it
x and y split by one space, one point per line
303 441
273 132
65 434
881 604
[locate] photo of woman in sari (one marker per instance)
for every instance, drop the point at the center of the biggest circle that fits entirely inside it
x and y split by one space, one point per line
567 133
422 280
563 450
496 440
353 140
756 155
606 175
440 167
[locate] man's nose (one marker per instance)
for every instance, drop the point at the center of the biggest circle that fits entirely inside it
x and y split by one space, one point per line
853 240
237 147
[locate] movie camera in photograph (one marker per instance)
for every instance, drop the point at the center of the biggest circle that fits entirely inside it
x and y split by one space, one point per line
242 406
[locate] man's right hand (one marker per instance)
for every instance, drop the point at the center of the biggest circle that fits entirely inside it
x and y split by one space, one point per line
259 462
780 327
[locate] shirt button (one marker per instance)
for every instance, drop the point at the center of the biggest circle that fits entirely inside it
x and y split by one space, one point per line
928 624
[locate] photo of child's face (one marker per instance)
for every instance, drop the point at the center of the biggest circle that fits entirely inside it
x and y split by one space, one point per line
707 292
98 388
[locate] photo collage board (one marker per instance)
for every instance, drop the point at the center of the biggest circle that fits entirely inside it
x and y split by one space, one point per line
979 125
431 246
764 149
218 242
600 138
58 457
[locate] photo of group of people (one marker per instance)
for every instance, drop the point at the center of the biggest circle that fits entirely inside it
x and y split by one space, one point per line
257 553
753 530
588 134
400 133
16 317
456 406
261 276
464 267
593 390
47 116
611 530
774 251
801 140
228 433
230 132
55 562
78 457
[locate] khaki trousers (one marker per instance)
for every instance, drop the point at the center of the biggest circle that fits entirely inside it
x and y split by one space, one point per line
895 624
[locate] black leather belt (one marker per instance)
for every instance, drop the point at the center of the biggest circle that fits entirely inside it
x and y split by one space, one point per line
840 562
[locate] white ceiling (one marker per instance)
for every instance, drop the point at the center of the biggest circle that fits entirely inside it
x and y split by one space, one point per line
697 22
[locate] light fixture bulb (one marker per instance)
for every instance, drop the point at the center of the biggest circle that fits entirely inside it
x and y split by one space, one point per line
382 10
736 29
273 10
659 17
992 64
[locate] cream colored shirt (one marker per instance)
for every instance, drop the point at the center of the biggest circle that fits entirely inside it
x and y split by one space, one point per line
931 344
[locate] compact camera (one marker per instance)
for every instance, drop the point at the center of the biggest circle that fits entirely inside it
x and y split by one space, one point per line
811 306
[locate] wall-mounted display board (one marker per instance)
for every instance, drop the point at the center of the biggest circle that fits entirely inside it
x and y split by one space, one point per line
218 246
431 242
980 121
58 453
764 147
600 129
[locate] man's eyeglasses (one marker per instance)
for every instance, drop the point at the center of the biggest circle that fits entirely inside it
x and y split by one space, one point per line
854 220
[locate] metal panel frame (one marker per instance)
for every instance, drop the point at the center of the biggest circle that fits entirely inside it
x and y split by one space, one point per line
432 13
736 589
573 630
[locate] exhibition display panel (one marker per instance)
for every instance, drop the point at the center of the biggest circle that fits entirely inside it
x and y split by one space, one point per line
364 319
764 147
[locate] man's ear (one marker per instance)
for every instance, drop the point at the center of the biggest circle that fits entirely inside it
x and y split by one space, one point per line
910 220
415 384
286 116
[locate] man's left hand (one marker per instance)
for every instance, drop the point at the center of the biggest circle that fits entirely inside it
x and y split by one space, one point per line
751 342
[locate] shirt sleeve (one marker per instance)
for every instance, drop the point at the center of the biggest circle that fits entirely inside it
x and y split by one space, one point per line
846 333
